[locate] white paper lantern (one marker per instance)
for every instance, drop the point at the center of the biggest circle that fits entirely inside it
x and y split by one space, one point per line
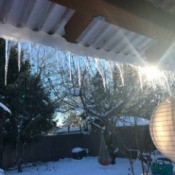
162 128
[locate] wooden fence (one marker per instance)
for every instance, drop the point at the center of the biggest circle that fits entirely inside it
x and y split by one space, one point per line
52 148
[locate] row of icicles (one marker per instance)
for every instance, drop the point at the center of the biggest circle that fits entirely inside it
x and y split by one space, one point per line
7 54
107 66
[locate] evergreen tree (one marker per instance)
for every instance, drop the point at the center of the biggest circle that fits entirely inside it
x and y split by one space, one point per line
30 104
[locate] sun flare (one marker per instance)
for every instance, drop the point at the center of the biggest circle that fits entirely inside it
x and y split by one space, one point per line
151 72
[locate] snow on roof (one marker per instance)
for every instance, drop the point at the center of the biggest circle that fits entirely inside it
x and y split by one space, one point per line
38 25
43 22
65 129
5 108
131 121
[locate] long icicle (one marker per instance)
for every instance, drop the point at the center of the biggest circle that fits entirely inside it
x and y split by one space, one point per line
30 52
79 74
100 71
109 63
140 78
86 63
19 56
58 58
121 72
6 60
70 68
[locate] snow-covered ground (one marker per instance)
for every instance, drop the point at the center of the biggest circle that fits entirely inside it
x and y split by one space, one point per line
86 166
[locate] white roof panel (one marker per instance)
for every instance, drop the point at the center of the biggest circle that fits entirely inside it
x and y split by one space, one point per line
43 21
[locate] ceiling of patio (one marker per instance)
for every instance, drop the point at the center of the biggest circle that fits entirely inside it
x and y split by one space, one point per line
131 31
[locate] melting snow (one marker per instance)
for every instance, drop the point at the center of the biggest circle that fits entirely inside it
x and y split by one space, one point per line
11 32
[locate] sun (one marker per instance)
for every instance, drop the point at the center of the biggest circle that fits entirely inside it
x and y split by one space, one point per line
151 72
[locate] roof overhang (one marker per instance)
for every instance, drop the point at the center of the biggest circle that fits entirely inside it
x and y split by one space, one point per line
129 31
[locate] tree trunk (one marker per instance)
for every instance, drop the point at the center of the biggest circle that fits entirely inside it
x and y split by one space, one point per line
80 129
109 141
19 155
1 139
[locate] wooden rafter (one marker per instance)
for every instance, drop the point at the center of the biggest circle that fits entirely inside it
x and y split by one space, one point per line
135 15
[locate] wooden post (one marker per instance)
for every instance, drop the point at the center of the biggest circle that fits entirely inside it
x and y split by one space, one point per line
1 137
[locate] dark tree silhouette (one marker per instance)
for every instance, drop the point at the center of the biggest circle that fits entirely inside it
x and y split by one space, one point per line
30 103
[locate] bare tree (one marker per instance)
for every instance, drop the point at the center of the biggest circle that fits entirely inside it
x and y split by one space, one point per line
101 90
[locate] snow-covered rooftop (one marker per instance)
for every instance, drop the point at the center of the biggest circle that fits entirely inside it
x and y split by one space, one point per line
42 21
131 121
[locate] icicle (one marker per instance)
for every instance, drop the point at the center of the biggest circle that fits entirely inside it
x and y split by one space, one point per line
30 51
63 58
110 68
70 68
120 68
87 63
109 72
163 80
140 78
167 86
6 59
79 74
100 71
19 56
37 58
58 55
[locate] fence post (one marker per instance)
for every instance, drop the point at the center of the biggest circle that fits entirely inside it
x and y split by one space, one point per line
1 137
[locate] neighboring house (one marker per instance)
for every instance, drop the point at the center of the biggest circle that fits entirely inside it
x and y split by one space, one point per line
64 130
96 124
131 121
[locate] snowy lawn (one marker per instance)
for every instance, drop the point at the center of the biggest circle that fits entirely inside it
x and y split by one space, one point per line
86 166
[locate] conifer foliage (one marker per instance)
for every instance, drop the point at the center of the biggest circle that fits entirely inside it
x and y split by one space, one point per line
31 107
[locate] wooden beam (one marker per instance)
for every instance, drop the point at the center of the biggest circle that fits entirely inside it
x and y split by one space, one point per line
135 15
76 25
162 47
165 33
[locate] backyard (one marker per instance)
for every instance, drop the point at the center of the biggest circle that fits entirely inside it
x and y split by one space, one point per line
86 166
115 100
86 87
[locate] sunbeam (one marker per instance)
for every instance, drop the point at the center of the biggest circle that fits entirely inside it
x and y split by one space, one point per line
168 51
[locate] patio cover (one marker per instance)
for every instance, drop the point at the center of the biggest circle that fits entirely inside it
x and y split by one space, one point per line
129 31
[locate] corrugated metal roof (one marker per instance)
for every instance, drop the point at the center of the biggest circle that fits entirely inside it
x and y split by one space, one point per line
111 38
37 15
100 38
